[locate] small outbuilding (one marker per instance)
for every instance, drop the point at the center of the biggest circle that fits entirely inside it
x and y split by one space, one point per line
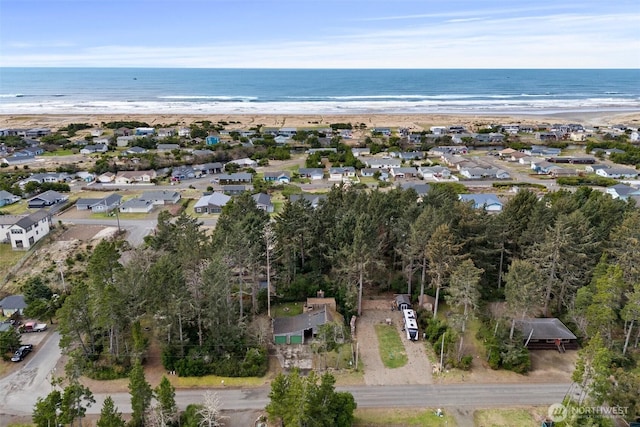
403 302
12 304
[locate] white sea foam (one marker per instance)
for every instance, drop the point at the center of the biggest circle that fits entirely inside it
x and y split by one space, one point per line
495 106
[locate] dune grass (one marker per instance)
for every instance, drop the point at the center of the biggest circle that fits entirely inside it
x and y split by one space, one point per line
390 345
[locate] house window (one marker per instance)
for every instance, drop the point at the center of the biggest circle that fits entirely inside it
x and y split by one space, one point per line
31 241
16 231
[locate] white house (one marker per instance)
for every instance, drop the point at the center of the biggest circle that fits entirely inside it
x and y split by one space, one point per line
29 229
136 206
488 202
342 174
617 173
434 172
377 163
245 163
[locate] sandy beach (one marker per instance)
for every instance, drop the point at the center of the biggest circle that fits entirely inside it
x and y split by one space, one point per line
413 121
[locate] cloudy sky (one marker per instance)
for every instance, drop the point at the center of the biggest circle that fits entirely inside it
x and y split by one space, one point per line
321 33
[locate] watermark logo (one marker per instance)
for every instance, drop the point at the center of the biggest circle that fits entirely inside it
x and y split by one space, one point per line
558 412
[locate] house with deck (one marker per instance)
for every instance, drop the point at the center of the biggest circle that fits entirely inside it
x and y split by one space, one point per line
211 203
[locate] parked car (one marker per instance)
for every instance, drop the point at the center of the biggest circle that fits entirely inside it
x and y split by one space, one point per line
33 327
22 352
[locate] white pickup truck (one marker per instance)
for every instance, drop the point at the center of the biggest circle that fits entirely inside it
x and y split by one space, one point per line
34 327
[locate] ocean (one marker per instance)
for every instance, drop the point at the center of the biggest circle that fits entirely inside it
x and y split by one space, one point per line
315 91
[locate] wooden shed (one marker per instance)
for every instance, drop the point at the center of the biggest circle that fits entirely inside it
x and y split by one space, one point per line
403 302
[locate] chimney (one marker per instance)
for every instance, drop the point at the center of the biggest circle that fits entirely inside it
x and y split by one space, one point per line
320 294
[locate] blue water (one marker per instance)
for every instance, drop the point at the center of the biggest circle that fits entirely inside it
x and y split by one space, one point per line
136 90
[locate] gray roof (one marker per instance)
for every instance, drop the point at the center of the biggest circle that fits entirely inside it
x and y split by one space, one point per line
13 302
262 199
49 196
213 199
544 329
419 188
298 324
111 199
135 203
159 195
314 199
6 195
480 200
27 221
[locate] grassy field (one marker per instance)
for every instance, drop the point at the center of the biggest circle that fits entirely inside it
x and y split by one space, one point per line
58 153
402 417
287 309
392 350
505 418
216 381
9 258
18 208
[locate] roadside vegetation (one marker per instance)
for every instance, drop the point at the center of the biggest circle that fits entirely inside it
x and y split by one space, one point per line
370 417
392 351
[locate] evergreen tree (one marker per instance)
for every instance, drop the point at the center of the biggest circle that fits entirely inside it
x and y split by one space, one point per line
46 411
141 394
109 415
166 396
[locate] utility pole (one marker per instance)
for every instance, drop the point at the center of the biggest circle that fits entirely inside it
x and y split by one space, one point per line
268 235
64 286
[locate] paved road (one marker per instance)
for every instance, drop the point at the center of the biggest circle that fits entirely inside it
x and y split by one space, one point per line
19 390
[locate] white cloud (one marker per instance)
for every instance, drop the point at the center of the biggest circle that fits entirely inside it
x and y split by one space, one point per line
550 41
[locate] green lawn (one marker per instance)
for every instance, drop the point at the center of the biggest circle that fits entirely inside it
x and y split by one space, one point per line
287 309
402 417
391 349
18 208
505 418
216 381
58 153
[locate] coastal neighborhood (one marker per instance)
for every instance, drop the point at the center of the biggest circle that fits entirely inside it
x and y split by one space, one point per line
326 240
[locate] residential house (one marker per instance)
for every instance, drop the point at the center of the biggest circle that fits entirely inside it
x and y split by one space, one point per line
16 159
180 173
211 203
562 172
381 163
30 229
456 129
578 136
301 328
327 150
434 172
368 172
594 168
406 172
344 173
488 202
489 138
537 150
345 134
212 140
85 176
283 177
420 188
209 168
448 150
622 191
408 156
6 221
547 136
364 151
502 174
478 173
438 130
167 147
237 177
136 205
166 132
136 151
135 177
184 132
263 202
313 174
48 198
107 178
12 304
235 189
125 141
528 160
7 198
105 204
91 149
618 173
546 334
96 132
161 197
288 132
123 131
144 131
313 199
245 163
46 178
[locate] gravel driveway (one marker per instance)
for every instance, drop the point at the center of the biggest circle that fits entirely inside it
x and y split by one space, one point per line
418 368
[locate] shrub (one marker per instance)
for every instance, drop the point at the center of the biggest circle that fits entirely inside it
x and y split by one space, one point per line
465 362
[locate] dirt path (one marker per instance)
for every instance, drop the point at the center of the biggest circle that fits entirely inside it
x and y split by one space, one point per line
418 368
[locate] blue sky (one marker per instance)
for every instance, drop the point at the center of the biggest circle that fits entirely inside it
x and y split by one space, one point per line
321 34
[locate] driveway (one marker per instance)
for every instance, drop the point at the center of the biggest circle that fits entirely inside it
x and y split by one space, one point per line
418 367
